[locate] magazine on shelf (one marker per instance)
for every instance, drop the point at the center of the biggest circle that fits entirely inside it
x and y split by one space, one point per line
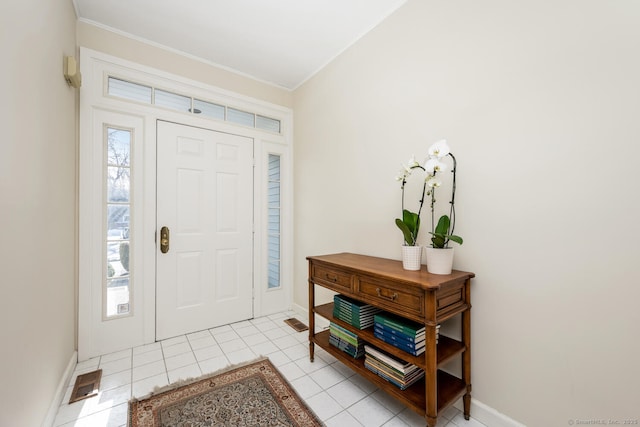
392 361
404 378
400 385
398 373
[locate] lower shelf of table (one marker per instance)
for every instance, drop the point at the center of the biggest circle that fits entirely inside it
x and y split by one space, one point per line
450 388
447 348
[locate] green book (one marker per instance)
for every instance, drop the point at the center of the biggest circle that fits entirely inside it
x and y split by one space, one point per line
346 347
343 334
359 321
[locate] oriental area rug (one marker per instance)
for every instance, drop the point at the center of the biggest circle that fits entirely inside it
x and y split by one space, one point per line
252 394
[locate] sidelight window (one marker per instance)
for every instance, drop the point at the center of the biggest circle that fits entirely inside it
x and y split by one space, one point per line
274 221
117 279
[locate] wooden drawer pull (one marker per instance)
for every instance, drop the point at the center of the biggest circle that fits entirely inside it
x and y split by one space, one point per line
331 277
392 297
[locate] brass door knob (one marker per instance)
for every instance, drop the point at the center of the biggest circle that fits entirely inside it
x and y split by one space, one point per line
164 239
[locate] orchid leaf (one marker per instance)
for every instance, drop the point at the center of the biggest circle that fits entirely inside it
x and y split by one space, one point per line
408 237
412 220
437 241
456 239
443 225
441 235
409 225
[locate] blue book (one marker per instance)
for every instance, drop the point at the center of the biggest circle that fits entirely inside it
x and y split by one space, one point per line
397 335
402 346
400 324
403 340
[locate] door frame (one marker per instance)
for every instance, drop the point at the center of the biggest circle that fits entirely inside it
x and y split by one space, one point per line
96 67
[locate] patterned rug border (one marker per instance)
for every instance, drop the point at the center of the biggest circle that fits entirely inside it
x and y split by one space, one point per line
193 380
189 381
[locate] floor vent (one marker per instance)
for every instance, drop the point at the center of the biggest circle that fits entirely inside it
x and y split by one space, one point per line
86 386
296 324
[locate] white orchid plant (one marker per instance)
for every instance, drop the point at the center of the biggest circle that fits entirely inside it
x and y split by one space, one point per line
442 232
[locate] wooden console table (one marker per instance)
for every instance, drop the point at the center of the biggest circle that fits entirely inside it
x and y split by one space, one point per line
415 295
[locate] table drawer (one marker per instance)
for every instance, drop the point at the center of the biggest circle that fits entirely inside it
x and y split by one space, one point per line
450 300
332 278
399 299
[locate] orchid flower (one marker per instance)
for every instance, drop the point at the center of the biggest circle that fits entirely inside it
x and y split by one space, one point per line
404 173
439 149
433 182
434 165
406 170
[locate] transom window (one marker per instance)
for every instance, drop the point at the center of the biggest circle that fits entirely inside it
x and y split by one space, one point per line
179 102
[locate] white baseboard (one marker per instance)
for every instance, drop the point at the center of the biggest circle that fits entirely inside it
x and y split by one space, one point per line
488 416
302 311
60 391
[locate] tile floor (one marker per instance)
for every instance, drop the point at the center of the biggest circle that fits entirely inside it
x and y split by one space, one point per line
336 394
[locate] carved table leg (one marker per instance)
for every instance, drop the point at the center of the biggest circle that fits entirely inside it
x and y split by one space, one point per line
466 356
312 317
466 400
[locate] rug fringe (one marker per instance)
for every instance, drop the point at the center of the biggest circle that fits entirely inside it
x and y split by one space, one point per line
191 380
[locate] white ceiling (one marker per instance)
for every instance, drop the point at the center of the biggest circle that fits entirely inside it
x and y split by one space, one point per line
283 42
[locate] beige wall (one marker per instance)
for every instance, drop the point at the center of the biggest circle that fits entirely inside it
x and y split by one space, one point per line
540 103
123 47
37 206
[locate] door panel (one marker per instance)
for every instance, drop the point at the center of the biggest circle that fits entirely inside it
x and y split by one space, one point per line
205 197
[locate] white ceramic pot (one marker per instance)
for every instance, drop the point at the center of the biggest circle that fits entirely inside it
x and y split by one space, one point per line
439 260
412 257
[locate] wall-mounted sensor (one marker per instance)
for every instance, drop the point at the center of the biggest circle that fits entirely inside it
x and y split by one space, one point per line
71 73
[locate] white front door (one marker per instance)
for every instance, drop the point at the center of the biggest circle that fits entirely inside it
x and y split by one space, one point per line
205 201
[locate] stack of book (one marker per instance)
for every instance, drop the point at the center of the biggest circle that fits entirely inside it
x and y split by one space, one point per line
402 333
396 371
353 312
345 340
